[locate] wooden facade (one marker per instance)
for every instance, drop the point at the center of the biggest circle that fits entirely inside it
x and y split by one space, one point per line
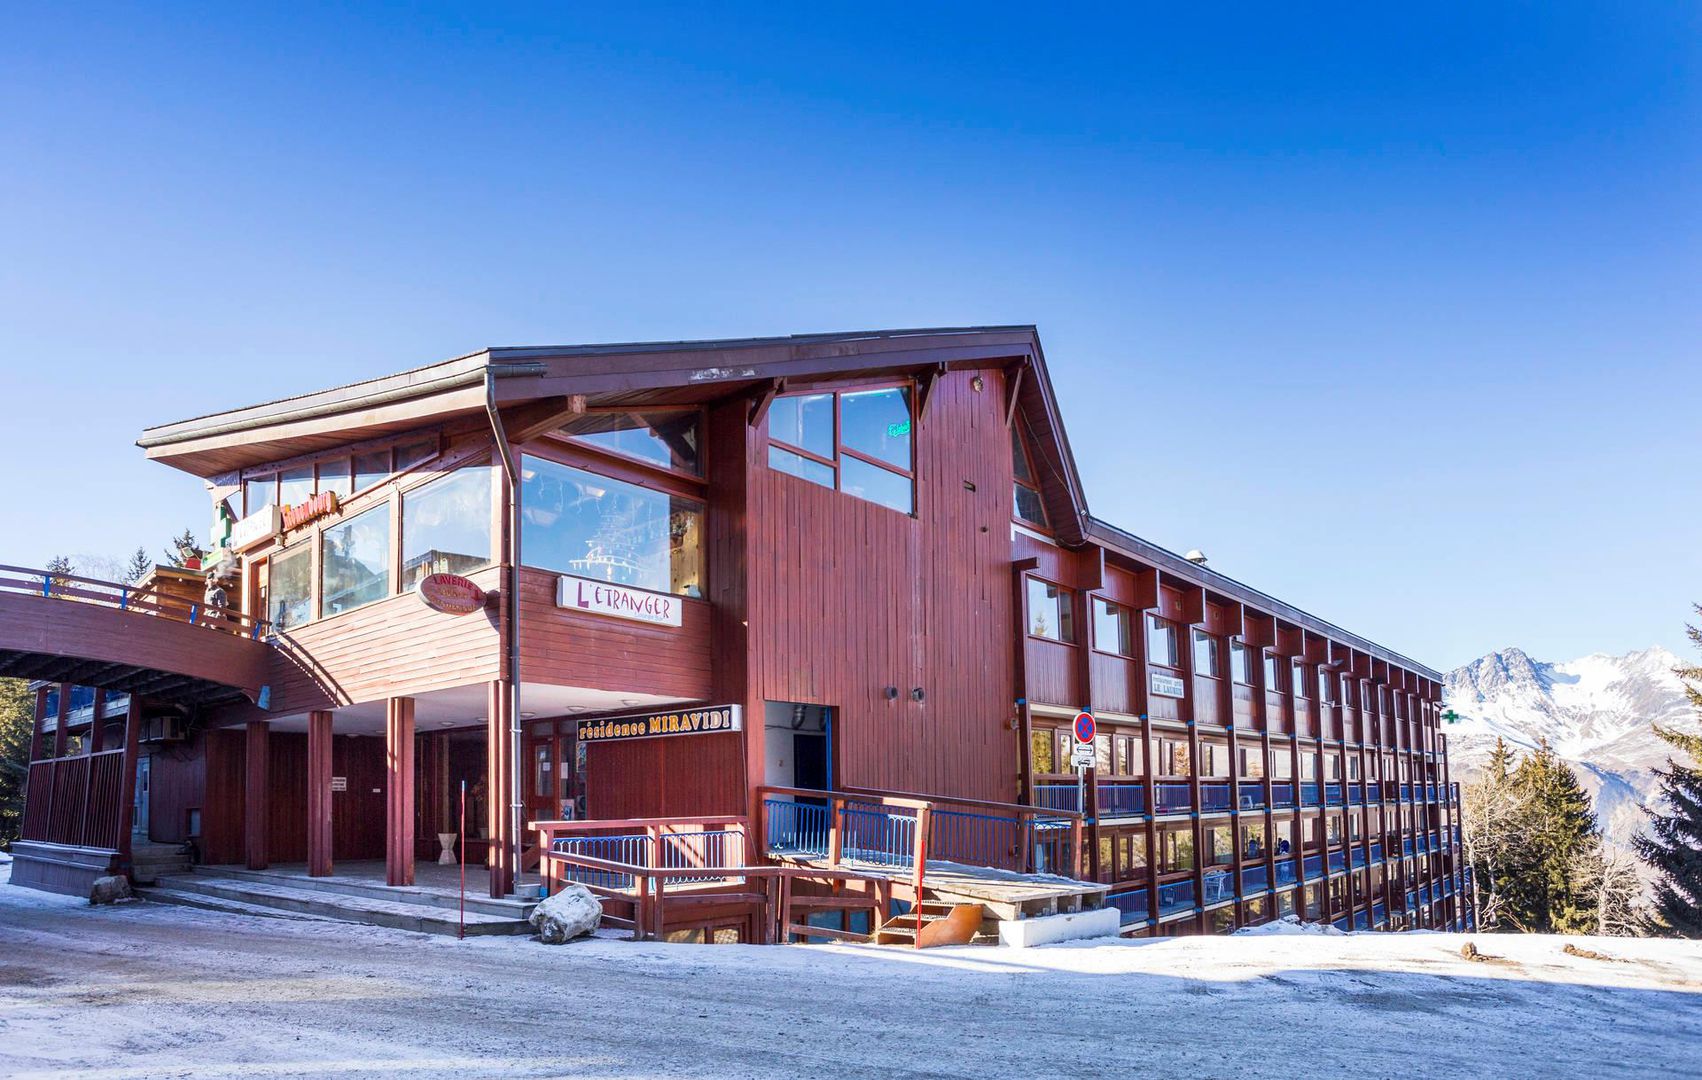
869 600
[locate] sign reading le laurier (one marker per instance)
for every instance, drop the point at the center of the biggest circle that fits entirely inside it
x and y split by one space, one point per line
656 725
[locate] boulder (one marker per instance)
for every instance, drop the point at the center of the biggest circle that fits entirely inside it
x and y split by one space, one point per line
571 913
109 890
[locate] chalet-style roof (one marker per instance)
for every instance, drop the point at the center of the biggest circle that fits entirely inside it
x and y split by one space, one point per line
687 372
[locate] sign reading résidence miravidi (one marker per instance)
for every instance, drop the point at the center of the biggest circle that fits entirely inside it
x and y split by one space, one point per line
605 598
656 725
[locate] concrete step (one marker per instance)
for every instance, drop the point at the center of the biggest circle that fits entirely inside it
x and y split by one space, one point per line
477 901
397 914
181 898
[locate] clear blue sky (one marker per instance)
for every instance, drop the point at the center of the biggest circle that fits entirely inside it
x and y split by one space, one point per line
1396 315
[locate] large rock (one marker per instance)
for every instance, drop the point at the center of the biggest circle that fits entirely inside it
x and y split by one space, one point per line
571 913
109 890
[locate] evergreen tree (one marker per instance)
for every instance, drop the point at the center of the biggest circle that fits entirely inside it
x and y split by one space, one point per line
17 714
1675 848
1494 834
58 568
1558 894
138 566
183 548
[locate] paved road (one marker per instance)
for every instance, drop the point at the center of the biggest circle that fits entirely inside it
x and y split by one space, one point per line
147 990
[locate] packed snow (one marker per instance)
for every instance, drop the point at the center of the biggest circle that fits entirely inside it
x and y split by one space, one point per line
150 990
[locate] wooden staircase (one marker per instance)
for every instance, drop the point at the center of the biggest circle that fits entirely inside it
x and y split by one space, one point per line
943 922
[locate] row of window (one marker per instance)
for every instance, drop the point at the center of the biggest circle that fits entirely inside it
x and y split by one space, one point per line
1123 854
344 475
1119 755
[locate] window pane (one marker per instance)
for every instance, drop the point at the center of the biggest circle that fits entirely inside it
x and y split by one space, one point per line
667 439
1049 614
1300 680
259 493
1102 753
805 421
290 589
371 468
877 423
1273 673
787 462
1040 747
1111 630
1238 669
414 453
355 562
1019 460
1205 654
334 476
446 526
575 522
1029 507
295 486
1160 642
876 484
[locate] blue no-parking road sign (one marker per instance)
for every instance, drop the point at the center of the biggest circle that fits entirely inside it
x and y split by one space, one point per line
1084 727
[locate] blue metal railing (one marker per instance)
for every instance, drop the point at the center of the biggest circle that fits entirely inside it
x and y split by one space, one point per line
630 848
1361 921
1373 792
1214 796
1379 914
1285 872
1376 851
873 833
1355 794
1132 906
1174 798
706 847
1058 796
1338 861
1355 856
1252 795
1308 793
1282 793
1333 794
1255 878
1120 799
1406 847
1312 867
796 828
1176 896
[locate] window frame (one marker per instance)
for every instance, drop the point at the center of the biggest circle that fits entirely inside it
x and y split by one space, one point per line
841 450
1029 580
1154 621
1020 445
698 477
1095 601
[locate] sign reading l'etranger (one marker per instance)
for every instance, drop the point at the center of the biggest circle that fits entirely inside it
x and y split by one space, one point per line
656 725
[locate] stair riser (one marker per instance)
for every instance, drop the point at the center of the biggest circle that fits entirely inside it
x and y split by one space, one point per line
423 923
484 905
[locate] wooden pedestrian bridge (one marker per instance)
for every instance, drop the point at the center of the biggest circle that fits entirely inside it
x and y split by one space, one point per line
61 628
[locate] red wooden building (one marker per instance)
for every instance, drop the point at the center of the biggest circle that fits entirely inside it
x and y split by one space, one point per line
872 549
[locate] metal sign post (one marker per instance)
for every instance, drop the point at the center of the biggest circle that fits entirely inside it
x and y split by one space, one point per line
461 934
1081 755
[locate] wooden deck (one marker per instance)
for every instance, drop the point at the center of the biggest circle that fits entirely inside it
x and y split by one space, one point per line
1004 893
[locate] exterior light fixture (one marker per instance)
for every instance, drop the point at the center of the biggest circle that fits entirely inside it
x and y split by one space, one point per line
890 693
916 694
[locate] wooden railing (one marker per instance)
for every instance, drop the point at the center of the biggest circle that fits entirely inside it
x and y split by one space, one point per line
692 854
76 800
70 587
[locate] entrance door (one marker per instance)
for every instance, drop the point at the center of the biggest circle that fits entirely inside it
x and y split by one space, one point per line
798 743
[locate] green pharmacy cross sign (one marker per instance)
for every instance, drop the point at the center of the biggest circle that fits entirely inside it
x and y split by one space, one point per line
1451 717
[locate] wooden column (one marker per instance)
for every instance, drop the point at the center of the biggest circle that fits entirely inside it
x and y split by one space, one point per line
257 804
399 791
63 721
127 785
499 769
319 794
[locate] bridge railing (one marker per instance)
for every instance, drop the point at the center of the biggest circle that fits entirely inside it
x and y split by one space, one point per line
122 597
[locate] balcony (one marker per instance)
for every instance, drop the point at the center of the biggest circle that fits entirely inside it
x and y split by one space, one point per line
1379 914
1219 886
1285 872
1355 794
1376 851
1361 921
1121 799
1176 896
1355 856
1373 793
1132 906
1406 793
1406 847
1282 794
1214 796
1175 798
1255 878
1312 867
1332 794
1058 796
1338 861
1308 794
1252 795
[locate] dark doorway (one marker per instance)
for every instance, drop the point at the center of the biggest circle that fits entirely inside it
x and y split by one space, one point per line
798 745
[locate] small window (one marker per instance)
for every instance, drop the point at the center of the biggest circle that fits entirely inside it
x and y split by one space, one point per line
1219 845
1253 839
1273 673
371 468
804 421
1171 756
1239 669
876 423
1282 765
446 526
334 477
295 486
1176 849
1205 654
1102 754
891 490
1029 506
1040 749
258 493
1049 611
1252 762
1301 681
668 440
1160 642
798 465
1214 760
1324 686
1112 629
415 454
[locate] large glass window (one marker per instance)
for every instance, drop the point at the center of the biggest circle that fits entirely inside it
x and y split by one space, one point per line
859 441
295 486
370 468
665 439
1301 680
355 562
1239 669
258 493
290 588
1160 642
576 522
1273 673
1049 611
1170 756
1029 506
446 525
1176 848
1112 629
1205 654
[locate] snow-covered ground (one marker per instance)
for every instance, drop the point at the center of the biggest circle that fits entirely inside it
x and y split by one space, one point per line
148 990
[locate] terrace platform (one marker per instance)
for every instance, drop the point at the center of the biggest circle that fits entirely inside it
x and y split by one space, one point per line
1005 894
356 893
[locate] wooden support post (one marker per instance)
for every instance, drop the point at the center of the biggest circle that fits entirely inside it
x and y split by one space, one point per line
127 785
399 791
499 766
319 794
64 720
257 806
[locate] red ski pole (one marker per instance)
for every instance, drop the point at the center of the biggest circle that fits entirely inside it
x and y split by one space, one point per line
461 934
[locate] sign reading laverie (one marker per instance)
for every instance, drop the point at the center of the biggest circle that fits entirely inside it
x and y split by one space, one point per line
605 598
